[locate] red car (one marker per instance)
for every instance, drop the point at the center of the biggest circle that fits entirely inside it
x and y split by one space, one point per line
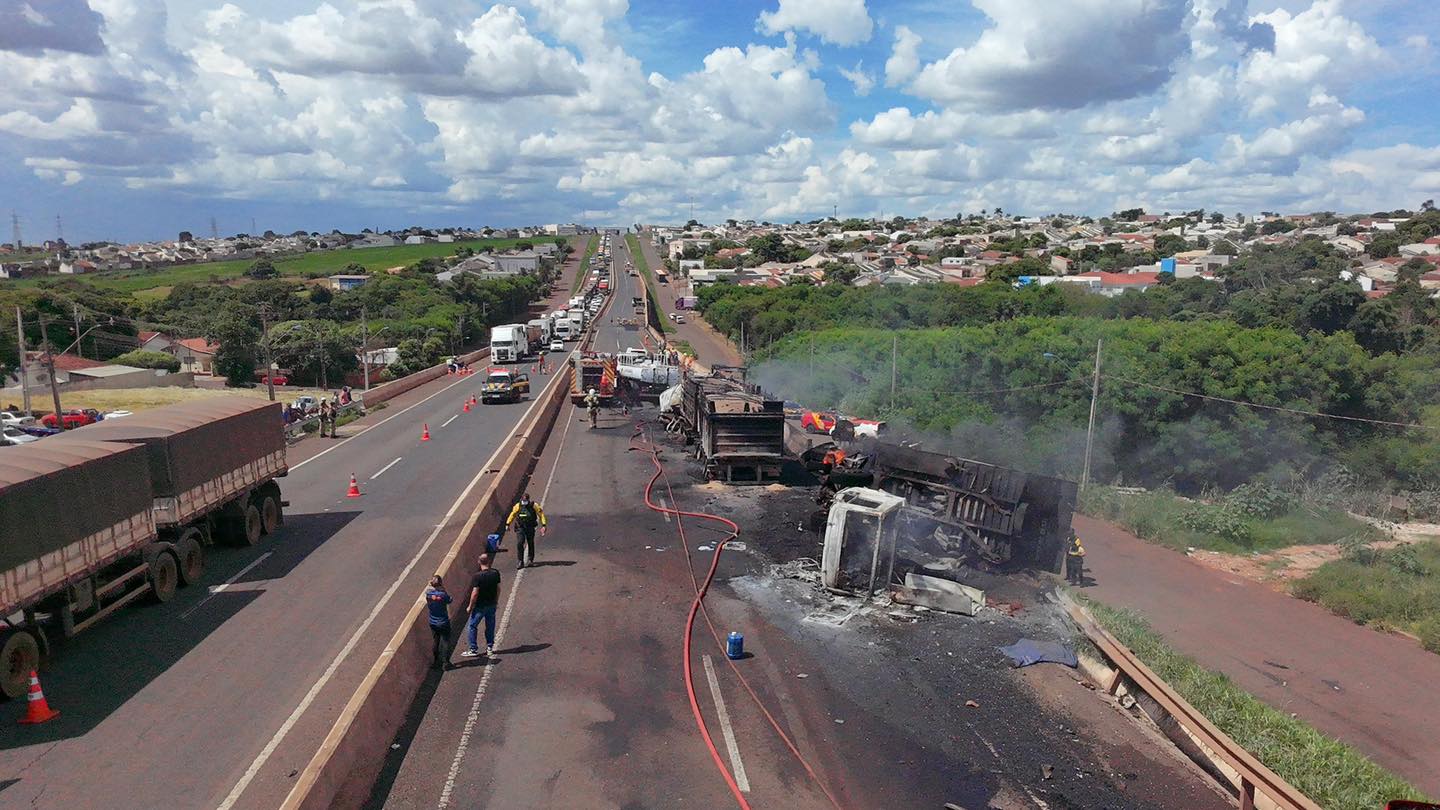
74 418
278 379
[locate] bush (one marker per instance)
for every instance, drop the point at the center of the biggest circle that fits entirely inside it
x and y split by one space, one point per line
1258 500
1221 520
142 358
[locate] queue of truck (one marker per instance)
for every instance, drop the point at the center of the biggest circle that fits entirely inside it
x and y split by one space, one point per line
160 487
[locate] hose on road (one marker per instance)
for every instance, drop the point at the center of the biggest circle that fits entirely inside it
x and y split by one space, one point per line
697 607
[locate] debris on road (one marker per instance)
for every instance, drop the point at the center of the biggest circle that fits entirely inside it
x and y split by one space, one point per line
1028 651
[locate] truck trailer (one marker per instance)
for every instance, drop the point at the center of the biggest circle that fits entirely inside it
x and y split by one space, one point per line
158 487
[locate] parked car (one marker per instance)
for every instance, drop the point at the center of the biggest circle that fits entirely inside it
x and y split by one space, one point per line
305 404
10 419
277 379
73 418
120 414
679 318
11 435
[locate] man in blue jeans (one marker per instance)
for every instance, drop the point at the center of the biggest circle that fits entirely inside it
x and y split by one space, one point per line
484 599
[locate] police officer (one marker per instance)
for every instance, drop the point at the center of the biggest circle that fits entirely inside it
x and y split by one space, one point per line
1075 561
525 516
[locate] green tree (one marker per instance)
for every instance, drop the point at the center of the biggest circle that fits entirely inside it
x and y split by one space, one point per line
143 358
262 269
1385 245
238 337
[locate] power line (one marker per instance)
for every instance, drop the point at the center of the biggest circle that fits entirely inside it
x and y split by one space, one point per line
1296 411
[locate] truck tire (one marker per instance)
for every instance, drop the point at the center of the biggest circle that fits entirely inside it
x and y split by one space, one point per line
271 515
251 527
190 556
19 656
164 577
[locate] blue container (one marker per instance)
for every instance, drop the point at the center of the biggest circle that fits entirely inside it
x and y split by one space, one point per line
735 646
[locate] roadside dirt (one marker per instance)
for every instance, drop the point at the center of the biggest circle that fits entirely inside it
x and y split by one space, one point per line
1281 567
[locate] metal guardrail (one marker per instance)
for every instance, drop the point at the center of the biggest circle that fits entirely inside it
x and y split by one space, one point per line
1255 778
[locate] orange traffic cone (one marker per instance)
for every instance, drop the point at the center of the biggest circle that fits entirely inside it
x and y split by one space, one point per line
354 491
473 401
424 432
466 409
37 710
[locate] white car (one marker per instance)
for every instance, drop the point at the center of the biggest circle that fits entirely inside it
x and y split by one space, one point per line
557 345
9 419
14 435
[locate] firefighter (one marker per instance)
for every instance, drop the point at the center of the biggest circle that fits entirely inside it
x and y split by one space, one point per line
592 406
1075 561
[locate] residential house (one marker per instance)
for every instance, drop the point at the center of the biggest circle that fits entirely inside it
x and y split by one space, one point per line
343 281
195 354
371 240
155 341
418 239
1430 247
525 261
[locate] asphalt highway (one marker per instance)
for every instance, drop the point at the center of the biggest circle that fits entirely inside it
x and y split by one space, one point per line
216 698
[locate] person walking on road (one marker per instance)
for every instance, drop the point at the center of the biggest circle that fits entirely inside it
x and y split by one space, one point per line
592 406
525 516
1075 561
437 602
484 600
325 417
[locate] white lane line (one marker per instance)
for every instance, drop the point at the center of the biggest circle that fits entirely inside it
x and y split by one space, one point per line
664 506
363 431
474 715
222 587
386 467
359 633
738 767
447 422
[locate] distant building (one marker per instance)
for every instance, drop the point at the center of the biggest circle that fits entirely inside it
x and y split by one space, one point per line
418 239
342 282
525 261
371 240
195 354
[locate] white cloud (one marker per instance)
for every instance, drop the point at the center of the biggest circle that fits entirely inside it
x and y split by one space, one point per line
904 61
861 81
842 22
1040 55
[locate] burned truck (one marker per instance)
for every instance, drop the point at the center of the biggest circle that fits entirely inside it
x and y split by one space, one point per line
957 511
738 431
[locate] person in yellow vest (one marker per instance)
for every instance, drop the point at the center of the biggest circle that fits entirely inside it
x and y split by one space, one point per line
526 515
1075 561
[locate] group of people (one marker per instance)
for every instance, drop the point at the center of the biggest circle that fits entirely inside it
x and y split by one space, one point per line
327 410
483 600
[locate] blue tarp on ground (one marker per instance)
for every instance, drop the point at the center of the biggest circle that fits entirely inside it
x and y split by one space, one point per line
1028 651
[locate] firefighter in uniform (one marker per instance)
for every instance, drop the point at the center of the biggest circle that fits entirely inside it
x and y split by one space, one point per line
524 517
592 406
1075 561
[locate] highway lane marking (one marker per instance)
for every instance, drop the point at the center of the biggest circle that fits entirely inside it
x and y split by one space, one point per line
365 430
664 506
447 422
474 714
224 586
364 628
738 767
386 467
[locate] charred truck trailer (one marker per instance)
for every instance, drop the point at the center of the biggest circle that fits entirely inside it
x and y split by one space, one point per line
153 490
959 509
738 431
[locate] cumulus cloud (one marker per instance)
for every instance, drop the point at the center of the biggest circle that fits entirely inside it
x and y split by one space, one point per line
1040 55
841 22
861 81
904 61
55 25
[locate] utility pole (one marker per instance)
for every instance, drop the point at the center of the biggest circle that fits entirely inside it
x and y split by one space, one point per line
15 229
894 369
50 361
1090 431
812 359
320 355
79 347
59 229
365 345
24 363
214 229
269 355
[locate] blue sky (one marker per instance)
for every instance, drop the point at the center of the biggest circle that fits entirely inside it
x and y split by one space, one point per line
134 119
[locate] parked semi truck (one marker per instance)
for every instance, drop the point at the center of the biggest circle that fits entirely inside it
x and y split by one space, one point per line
508 343
97 518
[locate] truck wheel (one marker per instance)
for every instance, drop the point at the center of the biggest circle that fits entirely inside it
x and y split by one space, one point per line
164 577
270 514
19 656
191 556
252 525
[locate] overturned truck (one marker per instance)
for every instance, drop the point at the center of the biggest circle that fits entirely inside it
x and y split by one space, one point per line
944 512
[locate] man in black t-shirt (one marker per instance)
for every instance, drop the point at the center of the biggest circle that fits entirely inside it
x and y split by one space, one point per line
484 599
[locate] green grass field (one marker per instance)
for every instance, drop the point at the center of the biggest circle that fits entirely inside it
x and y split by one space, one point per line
592 245
1331 773
305 265
643 266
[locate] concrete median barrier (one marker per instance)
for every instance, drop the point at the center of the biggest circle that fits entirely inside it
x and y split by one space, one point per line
343 770
409 382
